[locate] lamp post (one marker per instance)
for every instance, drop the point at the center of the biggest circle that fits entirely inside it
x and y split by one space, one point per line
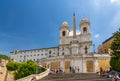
93 48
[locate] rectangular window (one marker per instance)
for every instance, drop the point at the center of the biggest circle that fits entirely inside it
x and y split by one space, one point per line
34 59
50 52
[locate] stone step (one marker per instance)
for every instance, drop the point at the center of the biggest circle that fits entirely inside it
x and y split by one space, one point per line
73 77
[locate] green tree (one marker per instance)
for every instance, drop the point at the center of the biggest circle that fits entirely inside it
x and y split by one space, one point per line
3 56
11 66
24 69
115 47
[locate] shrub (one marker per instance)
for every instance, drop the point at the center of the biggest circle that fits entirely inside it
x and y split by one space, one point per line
24 69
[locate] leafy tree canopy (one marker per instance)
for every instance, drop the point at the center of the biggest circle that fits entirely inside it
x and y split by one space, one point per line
24 69
3 56
115 47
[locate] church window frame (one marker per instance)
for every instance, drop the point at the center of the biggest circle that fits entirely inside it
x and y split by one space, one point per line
86 49
63 53
85 30
50 52
63 33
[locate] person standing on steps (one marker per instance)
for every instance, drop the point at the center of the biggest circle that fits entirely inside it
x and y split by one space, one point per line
70 69
78 69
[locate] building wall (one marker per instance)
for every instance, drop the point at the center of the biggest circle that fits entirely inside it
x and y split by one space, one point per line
84 64
105 64
23 56
105 47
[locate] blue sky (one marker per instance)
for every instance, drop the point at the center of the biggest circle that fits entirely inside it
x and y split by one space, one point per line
32 24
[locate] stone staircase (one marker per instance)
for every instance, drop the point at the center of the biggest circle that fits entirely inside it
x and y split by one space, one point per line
74 77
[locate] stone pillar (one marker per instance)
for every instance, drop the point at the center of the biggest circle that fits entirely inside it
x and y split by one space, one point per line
62 65
84 65
96 66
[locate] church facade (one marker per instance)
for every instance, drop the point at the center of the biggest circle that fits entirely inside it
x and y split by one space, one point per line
73 51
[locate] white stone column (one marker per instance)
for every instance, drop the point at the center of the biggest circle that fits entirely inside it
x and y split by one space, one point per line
84 66
96 65
62 65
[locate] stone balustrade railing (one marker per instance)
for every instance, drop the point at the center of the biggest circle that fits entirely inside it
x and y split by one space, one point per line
75 56
38 76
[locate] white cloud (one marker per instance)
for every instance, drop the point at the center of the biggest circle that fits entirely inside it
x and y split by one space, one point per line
71 33
96 36
115 2
77 32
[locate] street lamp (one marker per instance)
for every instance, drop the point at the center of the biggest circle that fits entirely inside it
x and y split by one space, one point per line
93 48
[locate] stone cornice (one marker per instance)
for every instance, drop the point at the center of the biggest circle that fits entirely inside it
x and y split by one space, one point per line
64 44
77 56
85 42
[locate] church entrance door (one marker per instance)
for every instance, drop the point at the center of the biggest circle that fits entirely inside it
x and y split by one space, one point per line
89 64
67 66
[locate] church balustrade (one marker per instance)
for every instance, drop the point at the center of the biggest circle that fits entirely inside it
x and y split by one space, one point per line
74 56
51 58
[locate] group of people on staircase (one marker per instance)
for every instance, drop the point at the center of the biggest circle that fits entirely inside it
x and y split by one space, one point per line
58 70
111 74
74 70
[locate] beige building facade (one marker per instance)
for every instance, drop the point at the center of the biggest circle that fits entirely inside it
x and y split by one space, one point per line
105 47
73 51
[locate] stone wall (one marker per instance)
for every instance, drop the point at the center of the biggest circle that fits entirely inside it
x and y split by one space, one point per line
38 76
104 64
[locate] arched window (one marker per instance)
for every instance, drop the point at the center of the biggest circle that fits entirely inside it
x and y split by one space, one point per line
63 33
84 30
63 53
86 49
105 50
